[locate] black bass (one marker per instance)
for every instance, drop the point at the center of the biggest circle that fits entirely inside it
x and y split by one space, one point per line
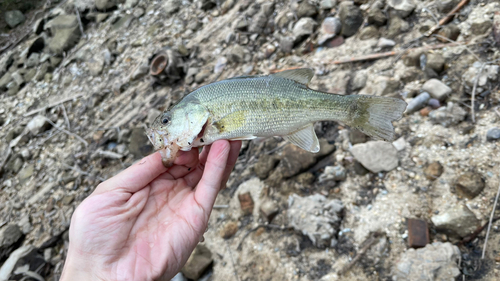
280 104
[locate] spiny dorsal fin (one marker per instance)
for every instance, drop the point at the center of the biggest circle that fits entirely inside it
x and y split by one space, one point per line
301 75
304 138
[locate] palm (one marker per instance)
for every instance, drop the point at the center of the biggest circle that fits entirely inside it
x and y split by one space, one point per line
149 233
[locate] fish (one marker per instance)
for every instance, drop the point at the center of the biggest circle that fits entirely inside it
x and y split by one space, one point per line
279 104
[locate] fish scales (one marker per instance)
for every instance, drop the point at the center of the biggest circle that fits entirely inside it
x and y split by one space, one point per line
280 104
272 105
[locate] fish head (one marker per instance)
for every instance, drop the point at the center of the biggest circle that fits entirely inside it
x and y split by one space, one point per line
176 129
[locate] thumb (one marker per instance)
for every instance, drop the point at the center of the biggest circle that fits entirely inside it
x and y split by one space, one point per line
210 183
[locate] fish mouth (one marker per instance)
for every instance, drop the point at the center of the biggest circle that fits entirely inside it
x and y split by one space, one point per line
158 140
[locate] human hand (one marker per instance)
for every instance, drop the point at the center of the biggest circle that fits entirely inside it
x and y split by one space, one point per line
143 223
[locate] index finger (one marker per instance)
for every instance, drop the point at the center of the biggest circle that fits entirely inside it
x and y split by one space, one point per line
140 174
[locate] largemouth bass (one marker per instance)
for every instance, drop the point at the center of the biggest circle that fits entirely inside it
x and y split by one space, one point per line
280 104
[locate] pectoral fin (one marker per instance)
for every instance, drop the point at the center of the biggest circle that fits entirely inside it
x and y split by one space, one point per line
304 138
301 75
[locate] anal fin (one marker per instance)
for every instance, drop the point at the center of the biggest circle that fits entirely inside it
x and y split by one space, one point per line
304 138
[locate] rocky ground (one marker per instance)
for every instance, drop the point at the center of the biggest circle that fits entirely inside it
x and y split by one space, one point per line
79 84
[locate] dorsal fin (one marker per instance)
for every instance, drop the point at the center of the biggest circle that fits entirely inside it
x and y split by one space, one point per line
301 75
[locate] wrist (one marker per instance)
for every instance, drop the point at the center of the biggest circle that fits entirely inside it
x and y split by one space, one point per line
77 268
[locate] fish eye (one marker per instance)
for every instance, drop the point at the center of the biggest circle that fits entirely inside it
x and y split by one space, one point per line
164 121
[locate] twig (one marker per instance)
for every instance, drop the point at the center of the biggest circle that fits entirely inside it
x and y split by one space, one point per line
489 226
80 22
447 18
393 53
473 95
371 241
66 116
232 261
52 105
67 132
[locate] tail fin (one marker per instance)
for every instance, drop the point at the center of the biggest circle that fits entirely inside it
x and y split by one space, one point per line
373 115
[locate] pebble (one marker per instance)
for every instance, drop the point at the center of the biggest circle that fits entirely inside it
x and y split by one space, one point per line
306 9
435 61
384 42
246 203
368 32
434 103
304 27
493 134
359 80
38 125
469 184
265 165
402 8
351 18
229 230
172 6
448 116
376 17
202 75
433 171
399 144
376 156
269 209
198 262
456 221
26 173
437 89
14 18
396 26
335 173
330 28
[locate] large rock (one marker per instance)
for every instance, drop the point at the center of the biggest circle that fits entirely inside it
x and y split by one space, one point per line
198 262
437 89
402 8
316 217
456 221
14 18
436 261
376 156
66 33
351 18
